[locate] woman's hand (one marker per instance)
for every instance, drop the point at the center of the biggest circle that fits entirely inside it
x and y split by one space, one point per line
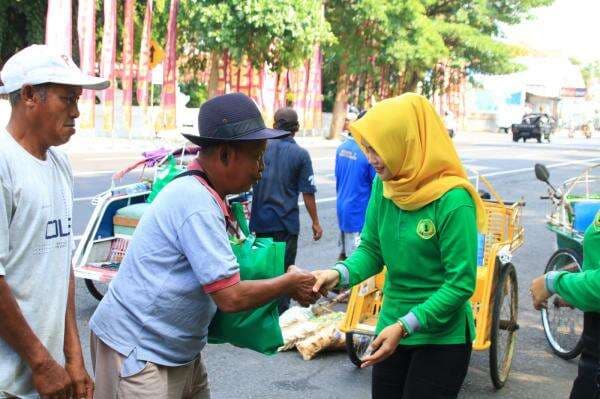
326 281
539 293
384 345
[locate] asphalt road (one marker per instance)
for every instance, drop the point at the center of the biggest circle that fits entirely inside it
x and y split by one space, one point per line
237 373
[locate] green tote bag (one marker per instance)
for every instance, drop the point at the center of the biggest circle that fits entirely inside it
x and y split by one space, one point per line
257 329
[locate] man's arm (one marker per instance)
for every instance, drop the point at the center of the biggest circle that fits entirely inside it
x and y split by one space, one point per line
82 383
49 378
311 207
250 294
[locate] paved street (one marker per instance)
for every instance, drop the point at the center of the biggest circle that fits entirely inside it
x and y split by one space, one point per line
236 373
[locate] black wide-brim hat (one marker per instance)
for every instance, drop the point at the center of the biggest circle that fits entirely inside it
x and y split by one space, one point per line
231 117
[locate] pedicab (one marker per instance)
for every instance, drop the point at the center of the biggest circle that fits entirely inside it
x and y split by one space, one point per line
494 302
116 213
118 210
572 208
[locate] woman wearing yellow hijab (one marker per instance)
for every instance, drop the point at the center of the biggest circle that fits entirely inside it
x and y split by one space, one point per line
421 223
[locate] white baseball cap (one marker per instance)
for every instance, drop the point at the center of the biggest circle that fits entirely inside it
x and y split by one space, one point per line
39 64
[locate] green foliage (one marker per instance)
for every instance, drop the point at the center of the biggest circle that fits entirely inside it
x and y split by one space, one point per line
197 91
21 25
281 33
590 72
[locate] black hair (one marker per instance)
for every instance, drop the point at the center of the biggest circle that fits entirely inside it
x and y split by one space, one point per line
15 96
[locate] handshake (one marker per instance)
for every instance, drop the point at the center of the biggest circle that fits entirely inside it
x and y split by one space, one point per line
308 287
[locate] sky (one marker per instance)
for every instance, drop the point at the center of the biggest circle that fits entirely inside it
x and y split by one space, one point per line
568 27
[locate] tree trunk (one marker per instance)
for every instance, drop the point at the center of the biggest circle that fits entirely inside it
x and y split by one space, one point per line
213 79
411 81
341 100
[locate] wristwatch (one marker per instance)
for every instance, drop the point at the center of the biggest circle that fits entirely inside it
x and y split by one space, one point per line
404 329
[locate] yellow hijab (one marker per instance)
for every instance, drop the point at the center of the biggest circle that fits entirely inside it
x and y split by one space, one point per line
411 139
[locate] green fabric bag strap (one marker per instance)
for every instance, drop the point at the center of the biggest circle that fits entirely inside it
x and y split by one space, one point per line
240 217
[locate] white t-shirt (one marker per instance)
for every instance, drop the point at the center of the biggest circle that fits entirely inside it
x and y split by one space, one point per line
36 207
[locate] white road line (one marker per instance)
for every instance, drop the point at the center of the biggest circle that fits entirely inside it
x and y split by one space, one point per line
320 200
556 165
331 158
132 158
94 173
81 199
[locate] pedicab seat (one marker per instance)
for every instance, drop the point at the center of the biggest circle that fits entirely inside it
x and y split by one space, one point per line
127 218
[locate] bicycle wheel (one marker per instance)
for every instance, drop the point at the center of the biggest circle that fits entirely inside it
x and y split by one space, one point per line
97 289
563 324
357 345
503 333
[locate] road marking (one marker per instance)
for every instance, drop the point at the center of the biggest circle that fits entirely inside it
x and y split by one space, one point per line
320 200
132 158
556 165
94 173
81 199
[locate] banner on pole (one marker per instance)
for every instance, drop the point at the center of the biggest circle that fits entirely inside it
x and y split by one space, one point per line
143 75
86 29
127 59
169 89
107 64
59 25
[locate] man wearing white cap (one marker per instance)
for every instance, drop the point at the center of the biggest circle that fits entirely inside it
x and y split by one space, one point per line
40 352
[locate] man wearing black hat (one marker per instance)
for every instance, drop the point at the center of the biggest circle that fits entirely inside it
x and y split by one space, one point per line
288 173
150 327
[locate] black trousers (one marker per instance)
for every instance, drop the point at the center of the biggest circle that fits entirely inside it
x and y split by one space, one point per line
587 383
291 248
423 371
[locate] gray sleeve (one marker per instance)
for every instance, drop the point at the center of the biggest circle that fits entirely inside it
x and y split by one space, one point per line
206 245
6 205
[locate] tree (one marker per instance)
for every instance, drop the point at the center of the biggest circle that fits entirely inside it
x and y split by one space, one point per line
281 33
397 44
360 27
21 25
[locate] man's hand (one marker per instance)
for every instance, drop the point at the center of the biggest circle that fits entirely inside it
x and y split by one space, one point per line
51 380
317 231
303 286
82 384
326 281
384 345
539 293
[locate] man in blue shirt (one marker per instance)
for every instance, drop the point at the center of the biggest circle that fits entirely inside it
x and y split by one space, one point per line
353 178
288 172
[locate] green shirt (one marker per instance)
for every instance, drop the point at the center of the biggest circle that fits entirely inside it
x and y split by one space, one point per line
582 290
431 257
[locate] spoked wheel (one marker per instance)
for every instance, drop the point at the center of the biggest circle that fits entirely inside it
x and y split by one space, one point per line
96 288
357 345
563 324
504 325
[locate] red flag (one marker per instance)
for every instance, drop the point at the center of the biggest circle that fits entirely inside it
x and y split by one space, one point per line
58 26
144 76
168 98
127 58
107 65
86 28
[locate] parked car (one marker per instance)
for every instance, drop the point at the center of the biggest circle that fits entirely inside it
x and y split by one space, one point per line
533 126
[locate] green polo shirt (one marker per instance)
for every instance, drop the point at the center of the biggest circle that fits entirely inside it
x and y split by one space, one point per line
582 290
431 259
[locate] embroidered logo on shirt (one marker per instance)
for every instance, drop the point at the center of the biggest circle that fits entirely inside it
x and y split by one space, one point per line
426 229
